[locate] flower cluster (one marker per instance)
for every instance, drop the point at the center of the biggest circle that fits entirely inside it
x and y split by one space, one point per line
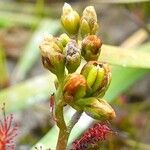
8 131
81 87
91 137
62 56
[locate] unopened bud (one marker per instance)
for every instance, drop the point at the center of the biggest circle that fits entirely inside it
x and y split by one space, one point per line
64 39
70 19
73 57
91 47
88 24
96 108
74 88
52 55
98 77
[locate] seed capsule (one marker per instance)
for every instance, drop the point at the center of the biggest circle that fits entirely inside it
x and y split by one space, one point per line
70 19
98 77
96 108
52 55
91 47
64 39
74 88
73 57
88 24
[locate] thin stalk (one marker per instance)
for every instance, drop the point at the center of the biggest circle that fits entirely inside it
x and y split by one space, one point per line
63 132
59 114
4 79
64 129
39 7
75 118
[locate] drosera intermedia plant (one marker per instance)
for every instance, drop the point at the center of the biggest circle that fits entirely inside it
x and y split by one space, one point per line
8 131
82 90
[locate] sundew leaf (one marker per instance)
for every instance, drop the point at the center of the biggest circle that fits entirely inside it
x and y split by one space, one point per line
123 78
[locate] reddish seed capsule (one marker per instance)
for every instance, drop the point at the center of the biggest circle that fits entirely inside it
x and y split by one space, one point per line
91 45
75 87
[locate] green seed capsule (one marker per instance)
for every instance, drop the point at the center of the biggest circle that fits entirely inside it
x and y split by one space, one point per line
88 23
96 108
73 56
64 39
98 77
52 56
70 19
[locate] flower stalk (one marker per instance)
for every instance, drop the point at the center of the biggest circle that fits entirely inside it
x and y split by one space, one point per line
82 91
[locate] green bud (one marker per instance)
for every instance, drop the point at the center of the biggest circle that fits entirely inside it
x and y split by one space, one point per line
91 47
73 57
88 24
96 108
64 39
98 77
70 19
84 28
74 88
52 55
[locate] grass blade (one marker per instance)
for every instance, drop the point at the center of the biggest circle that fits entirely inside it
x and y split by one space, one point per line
9 19
125 58
31 52
27 93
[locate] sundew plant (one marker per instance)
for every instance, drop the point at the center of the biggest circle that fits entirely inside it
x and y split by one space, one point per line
82 87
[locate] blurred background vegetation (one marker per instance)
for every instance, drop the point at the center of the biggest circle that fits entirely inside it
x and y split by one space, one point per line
25 86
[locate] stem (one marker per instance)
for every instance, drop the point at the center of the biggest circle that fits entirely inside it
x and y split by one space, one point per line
74 120
63 134
62 139
66 130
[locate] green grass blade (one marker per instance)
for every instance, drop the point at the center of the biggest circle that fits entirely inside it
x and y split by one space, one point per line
31 52
125 58
52 10
27 93
10 18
